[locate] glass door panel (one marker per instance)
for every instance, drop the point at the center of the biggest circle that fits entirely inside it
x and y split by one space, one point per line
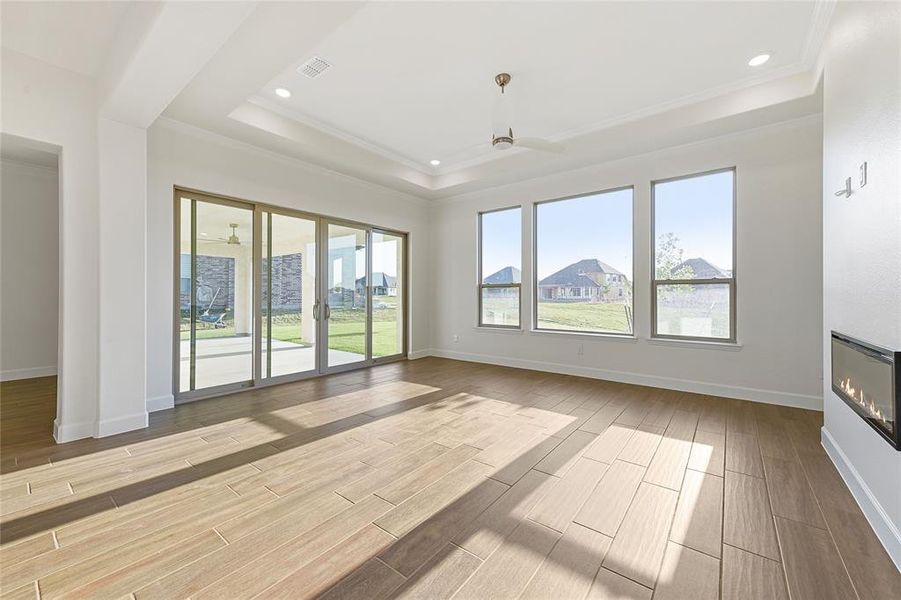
387 285
346 296
288 295
216 295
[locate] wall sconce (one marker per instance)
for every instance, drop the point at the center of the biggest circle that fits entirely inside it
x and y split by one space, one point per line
846 191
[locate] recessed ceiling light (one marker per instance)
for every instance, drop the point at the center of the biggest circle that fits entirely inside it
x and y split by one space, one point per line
758 60
282 93
434 162
203 233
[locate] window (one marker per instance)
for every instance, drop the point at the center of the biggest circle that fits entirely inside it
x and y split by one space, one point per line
583 258
500 257
694 281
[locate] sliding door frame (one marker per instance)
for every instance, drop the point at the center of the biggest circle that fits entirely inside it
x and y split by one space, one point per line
321 222
216 390
404 293
261 381
369 359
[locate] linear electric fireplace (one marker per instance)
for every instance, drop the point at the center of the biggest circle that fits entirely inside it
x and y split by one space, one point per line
865 377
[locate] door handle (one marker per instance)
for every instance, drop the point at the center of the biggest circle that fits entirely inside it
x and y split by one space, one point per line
328 311
316 311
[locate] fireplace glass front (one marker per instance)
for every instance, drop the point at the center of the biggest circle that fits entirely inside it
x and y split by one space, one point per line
863 375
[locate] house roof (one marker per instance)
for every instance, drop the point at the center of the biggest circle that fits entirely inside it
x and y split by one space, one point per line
379 279
575 275
505 275
701 268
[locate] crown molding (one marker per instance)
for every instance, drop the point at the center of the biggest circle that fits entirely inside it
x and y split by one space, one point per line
230 142
810 119
816 34
333 131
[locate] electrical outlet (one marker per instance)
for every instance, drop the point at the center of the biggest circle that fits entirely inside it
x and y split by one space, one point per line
456 338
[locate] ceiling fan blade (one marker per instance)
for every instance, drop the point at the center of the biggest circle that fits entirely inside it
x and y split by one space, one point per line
539 144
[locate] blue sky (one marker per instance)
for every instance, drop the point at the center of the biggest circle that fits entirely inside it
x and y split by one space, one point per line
596 226
697 210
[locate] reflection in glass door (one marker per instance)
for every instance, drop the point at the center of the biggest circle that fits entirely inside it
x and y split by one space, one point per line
387 299
216 294
288 295
345 296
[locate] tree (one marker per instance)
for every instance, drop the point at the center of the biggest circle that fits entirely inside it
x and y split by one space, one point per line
669 257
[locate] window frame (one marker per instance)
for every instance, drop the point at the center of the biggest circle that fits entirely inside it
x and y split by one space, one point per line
536 292
731 281
481 286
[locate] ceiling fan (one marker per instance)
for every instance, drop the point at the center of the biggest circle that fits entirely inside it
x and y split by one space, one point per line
502 137
232 239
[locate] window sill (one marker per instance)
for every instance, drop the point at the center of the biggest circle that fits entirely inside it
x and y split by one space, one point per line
586 334
514 330
729 346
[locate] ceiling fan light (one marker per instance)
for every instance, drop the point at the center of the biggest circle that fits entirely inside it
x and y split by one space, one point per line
504 140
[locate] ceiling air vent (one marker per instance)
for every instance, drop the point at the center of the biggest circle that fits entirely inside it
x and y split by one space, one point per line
314 67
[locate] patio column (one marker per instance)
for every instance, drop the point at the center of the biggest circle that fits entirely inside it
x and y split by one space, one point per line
308 293
243 291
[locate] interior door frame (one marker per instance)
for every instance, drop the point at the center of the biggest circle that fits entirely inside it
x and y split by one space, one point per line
321 222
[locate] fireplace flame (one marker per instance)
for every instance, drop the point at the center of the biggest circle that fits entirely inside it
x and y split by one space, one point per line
861 399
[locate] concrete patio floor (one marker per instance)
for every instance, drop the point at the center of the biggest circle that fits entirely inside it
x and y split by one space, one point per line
229 360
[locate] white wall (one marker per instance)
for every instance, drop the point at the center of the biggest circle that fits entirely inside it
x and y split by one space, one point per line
862 237
122 153
189 157
779 273
29 250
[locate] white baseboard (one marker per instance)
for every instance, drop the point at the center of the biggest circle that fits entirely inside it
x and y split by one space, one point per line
879 520
670 383
14 374
69 432
164 402
419 354
122 424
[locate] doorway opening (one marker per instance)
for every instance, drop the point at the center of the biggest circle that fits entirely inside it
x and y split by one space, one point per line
29 298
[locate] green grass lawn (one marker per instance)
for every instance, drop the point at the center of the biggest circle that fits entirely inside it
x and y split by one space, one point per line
583 316
567 316
346 330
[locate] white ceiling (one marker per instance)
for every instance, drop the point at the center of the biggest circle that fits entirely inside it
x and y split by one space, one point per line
414 81
71 35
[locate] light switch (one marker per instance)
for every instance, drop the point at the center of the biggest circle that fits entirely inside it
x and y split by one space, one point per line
863 174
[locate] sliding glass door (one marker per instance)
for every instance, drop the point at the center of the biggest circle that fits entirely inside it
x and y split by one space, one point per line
265 295
215 299
387 283
288 323
346 316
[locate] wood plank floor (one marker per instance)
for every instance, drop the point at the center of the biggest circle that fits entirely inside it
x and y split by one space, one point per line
435 479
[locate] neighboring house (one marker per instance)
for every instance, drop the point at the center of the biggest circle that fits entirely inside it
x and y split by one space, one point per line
588 280
504 276
382 285
702 269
